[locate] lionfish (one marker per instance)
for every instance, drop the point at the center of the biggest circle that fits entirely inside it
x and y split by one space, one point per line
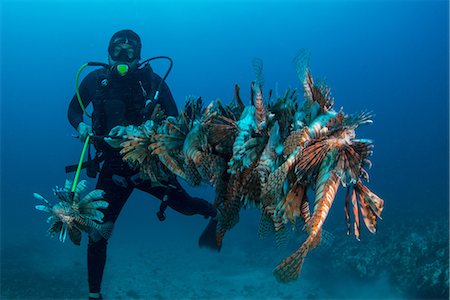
73 214
322 155
268 156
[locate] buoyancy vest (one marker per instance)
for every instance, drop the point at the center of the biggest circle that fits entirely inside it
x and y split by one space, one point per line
121 101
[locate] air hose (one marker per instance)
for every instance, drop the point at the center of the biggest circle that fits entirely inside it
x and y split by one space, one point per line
80 163
165 75
77 90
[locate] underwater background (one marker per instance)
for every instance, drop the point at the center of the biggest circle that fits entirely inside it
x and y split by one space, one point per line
389 57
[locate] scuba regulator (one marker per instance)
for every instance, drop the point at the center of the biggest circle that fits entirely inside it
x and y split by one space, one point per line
121 69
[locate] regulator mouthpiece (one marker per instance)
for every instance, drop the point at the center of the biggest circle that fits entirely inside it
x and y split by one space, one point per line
122 69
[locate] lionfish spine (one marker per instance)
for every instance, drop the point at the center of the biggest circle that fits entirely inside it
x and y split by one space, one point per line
347 214
260 112
356 213
268 157
304 209
308 86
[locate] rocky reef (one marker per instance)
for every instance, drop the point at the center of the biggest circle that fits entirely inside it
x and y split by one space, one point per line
414 253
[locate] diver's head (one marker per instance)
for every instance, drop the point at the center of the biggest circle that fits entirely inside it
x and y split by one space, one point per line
124 52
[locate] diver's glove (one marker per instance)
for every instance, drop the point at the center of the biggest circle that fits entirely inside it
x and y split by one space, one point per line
117 136
120 134
84 130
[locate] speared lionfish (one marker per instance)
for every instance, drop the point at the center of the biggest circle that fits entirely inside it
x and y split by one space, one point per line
268 155
74 214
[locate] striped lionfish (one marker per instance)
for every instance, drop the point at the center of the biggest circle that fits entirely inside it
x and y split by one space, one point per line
268 155
74 214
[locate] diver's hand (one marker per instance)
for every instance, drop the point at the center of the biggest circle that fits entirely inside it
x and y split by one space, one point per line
118 131
84 130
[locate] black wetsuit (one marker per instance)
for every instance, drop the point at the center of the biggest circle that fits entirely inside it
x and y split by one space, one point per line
120 101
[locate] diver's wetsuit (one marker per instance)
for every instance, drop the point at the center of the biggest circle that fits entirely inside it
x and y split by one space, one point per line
120 101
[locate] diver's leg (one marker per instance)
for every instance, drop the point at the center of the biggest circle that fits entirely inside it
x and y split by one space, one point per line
179 200
116 196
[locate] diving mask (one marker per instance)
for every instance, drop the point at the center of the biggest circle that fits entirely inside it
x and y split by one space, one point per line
123 52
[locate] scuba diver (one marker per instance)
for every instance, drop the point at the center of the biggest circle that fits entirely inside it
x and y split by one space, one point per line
125 93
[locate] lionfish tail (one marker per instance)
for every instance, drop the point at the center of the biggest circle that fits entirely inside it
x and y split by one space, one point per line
289 269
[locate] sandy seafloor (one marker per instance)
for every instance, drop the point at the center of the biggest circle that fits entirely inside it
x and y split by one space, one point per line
152 260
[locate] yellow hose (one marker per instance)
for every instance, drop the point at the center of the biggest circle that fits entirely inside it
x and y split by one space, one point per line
80 163
77 90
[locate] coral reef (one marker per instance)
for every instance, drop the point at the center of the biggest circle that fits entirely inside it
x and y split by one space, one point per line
413 253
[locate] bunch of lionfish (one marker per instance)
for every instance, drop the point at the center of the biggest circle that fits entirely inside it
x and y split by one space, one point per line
268 155
74 214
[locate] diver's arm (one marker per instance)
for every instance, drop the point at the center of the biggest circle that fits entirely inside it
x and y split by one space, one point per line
75 113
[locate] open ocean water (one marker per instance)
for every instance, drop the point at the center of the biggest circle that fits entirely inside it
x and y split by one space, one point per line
389 57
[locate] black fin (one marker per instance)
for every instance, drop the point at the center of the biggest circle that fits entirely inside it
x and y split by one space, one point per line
75 235
208 237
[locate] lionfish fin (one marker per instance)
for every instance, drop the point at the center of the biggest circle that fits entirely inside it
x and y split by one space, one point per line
106 229
347 214
239 102
301 62
43 208
281 235
39 197
55 228
211 167
297 139
92 196
258 68
371 205
305 213
136 150
268 157
291 206
74 234
265 227
311 158
97 204
364 148
81 186
361 118
348 166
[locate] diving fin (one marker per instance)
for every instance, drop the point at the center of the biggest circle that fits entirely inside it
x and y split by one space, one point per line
208 237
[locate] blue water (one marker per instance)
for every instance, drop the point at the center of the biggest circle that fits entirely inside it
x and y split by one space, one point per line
390 57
